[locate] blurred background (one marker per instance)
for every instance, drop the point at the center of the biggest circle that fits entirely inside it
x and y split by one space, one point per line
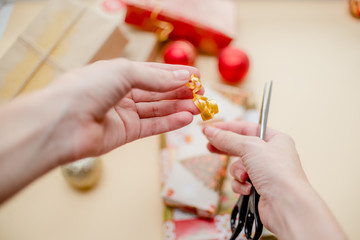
310 49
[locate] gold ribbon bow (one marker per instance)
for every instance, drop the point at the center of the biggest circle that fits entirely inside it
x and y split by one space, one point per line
163 28
208 108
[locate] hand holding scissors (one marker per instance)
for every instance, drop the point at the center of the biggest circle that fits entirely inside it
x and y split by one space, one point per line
245 212
275 169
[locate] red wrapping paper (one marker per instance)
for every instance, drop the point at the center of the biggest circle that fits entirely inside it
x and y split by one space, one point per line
208 24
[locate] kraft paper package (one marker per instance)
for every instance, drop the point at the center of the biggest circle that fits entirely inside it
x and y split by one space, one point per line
66 34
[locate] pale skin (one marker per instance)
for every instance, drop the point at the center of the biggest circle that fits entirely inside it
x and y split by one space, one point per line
94 109
289 206
88 112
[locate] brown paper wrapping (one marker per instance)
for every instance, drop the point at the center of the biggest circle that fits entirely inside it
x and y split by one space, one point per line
142 47
65 35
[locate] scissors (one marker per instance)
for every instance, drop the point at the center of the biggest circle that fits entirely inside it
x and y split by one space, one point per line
245 212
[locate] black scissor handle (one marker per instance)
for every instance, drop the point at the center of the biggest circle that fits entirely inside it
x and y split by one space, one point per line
238 216
253 216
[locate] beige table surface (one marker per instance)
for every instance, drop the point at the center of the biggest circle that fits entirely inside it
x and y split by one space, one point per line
311 49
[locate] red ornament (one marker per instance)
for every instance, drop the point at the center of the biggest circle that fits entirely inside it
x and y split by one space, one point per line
233 65
180 52
355 7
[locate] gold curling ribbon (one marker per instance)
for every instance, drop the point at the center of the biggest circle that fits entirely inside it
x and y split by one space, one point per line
208 108
163 28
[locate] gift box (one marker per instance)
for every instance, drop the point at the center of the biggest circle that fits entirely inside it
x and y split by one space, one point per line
142 46
65 35
194 184
180 224
192 176
208 24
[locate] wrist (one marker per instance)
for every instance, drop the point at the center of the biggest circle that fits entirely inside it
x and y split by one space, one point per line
28 147
285 205
300 213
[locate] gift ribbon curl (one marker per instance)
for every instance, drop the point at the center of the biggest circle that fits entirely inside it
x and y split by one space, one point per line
163 28
207 107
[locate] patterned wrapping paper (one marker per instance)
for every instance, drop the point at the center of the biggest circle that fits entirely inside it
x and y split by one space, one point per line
182 225
185 149
192 176
194 184
179 224
194 180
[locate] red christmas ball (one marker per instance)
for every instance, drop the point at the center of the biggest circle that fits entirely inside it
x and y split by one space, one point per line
179 52
233 65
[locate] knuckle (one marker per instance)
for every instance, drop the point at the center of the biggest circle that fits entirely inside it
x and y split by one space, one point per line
124 66
233 168
163 74
153 96
287 138
155 109
123 61
250 141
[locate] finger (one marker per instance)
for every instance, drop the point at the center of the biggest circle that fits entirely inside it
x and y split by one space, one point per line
157 125
241 188
163 108
238 171
229 142
171 67
159 77
158 80
123 75
183 92
213 149
245 128
108 81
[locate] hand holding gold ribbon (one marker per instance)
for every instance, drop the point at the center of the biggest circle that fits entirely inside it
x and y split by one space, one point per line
208 108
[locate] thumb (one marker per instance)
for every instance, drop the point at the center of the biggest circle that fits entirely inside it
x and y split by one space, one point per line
229 142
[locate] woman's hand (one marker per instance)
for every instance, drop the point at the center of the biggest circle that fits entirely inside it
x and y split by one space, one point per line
88 112
270 164
114 102
288 205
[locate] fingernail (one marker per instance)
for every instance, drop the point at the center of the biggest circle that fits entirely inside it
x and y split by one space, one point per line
210 131
244 176
182 75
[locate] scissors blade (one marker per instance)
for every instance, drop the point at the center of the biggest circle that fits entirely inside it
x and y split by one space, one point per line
265 109
253 216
